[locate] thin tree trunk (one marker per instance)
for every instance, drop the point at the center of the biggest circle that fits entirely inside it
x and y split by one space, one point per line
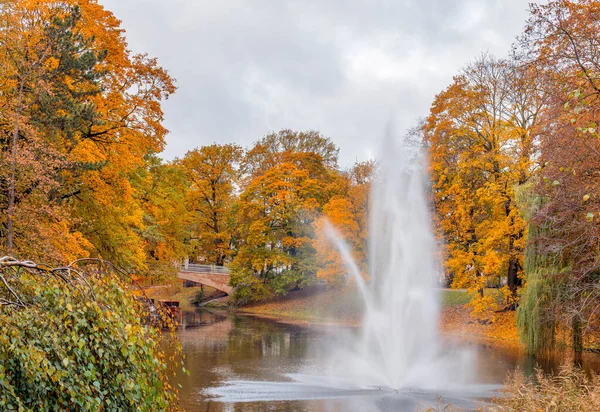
480 290
13 174
513 281
512 278
577 340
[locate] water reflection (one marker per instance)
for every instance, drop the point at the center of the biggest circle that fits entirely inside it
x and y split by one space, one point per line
271 361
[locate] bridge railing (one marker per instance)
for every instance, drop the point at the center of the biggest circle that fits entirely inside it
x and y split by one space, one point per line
214 269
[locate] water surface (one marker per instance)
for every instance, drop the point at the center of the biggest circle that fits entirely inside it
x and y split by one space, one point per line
258 364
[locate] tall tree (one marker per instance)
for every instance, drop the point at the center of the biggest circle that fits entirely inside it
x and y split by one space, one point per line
161 189
49 75
213 175
289 177
480 135
80 115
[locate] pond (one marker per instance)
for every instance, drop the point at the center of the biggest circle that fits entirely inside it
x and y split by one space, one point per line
258 355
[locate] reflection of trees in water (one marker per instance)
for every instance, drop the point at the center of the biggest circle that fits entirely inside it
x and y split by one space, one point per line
495 359
233 347
191 319
257 349
253 340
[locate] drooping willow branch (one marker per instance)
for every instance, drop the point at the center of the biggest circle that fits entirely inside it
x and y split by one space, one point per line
75 276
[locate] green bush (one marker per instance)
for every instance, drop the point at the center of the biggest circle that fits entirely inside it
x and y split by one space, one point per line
198 298
243 294
78 343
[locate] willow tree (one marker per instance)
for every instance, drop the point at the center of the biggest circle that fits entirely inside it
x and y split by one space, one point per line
561 45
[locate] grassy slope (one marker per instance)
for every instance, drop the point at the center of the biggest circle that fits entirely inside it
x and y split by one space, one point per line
314 304
319 304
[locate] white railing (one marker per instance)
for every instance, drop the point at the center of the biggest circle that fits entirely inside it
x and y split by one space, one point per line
214 269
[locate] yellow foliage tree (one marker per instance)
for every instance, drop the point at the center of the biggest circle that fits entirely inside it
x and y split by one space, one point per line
348 214
80 116
212 174
481 135
289 177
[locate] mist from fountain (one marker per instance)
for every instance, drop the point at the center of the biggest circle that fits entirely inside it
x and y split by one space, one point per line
399 344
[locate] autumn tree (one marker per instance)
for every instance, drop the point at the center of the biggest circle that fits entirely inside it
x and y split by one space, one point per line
289 177
310 148
348 214
101 196
161 191
49 74
481 136
212 174
561 44
80 115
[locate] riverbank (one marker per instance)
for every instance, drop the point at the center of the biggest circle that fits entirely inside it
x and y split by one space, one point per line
323 305
320 304
340 306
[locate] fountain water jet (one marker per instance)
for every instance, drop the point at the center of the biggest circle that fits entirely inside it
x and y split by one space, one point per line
399 344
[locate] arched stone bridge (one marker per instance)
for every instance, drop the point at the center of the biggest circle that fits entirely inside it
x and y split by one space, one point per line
209 275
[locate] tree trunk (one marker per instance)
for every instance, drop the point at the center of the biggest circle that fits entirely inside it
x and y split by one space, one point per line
577 339
220 260
480 290
513 279
13 174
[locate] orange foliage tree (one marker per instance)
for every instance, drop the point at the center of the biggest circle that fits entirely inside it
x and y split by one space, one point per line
481 136
80 115
348 213
212 174
289 177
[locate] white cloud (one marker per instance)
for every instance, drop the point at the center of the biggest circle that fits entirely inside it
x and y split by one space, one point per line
343 67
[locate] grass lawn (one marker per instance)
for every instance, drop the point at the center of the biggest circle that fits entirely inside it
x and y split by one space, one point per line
314 303
319 303
452 297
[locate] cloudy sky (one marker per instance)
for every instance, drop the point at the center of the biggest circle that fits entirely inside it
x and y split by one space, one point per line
343 67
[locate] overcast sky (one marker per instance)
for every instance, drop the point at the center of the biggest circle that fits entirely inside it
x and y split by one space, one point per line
346 68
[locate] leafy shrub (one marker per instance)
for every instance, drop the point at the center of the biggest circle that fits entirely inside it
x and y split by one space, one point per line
198 298
76 341
243 294
571 390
